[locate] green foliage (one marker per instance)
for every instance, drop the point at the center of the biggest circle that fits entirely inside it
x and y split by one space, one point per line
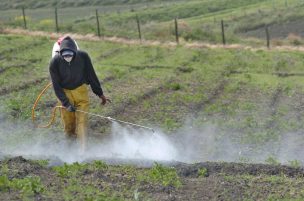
165 176
197 18
272 161
4 169
295 163
175 86
203 172
34 4
185 69
28 186
100 165
170 124
72 170
4 183
87 192
43 163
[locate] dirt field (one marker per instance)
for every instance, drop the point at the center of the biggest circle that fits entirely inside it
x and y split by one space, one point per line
255 101
222 181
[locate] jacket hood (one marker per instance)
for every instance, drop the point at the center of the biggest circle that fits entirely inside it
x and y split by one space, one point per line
68 44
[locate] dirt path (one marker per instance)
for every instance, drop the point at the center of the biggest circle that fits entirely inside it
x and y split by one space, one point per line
92 37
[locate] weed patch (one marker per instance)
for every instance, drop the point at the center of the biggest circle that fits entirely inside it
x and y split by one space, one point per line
165 176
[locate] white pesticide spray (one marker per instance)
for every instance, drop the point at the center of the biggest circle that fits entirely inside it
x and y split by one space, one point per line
130 143
189 144
125 143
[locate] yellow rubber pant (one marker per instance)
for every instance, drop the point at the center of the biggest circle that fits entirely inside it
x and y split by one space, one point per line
75 123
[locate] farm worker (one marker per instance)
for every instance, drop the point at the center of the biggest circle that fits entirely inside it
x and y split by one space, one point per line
71 71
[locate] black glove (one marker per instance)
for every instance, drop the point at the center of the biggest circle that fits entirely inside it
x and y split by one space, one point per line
71 108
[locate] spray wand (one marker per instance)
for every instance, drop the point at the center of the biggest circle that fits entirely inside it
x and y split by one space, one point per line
92 114
119 121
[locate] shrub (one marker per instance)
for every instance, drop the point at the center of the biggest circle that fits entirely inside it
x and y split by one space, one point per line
46 24
19 21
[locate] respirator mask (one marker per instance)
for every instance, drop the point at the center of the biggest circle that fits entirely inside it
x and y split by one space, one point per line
67 55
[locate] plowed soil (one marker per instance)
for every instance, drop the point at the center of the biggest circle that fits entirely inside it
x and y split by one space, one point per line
223 181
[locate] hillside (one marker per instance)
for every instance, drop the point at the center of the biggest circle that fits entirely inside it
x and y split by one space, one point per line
244 21
34 4
227 120
208 105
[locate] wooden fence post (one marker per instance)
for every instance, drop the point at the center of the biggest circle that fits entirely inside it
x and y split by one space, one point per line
97 23
24 19
138 27
223 32
267 36
56 20
176 31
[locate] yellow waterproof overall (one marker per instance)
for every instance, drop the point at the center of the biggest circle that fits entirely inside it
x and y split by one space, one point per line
75 123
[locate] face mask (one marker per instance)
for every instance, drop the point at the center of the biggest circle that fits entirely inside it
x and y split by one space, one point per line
68 59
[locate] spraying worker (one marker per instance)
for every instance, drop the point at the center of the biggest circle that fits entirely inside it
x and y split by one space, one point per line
71 71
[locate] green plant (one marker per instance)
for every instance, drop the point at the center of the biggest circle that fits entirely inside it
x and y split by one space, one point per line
28 185
100 165
203 172
4 169
175 86
165 176
295 163
4 183
70 170
43 163
272 161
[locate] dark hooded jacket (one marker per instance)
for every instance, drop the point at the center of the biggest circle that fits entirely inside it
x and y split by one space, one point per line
70 75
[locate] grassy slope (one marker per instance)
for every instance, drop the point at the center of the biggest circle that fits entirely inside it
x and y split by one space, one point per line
256 95
253 97
199 20
34 4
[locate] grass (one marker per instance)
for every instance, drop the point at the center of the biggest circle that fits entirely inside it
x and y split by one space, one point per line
237 90
198 20
165 176
159 91
282 188
252 97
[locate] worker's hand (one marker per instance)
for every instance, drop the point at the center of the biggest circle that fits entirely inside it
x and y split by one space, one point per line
104 100
71 108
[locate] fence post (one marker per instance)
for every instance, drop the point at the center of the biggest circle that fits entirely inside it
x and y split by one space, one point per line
267 36
138 27
24 19
56 20
97 22
223 32
176 31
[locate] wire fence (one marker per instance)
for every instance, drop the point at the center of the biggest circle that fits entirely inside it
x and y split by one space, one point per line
113 21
